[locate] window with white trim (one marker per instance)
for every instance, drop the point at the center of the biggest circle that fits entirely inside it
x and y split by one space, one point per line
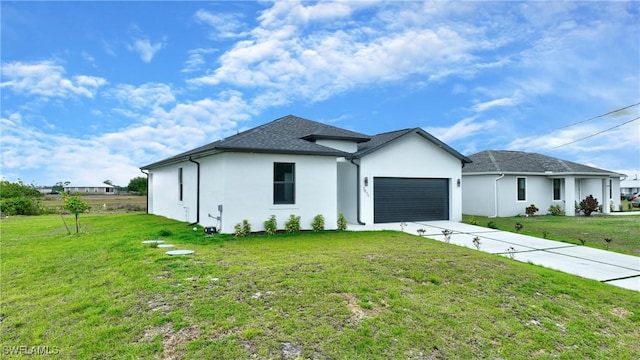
284 185
522 189
557 189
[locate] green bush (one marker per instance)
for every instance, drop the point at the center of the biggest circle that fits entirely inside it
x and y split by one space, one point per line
19 189
20 206
318 223
473 221
242 229
293 224
492 225
271 225
556 210
342 222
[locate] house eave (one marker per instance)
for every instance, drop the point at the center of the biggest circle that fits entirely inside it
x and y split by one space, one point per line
545 174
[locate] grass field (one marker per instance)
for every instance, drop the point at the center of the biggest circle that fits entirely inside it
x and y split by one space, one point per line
102 294
101 204
623 230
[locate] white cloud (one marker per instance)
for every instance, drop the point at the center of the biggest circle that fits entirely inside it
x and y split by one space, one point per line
321 64
144 96
225 25
502 102
463 129
48 79
196 59
145 48
156 134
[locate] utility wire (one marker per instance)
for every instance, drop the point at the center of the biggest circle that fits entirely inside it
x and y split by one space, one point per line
599 132
599 116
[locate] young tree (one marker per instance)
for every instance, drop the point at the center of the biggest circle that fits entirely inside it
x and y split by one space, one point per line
76 206
138 184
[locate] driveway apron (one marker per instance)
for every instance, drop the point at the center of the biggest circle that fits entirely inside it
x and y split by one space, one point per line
606 266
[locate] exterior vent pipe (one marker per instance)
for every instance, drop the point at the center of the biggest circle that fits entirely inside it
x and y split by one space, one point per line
197 192
147 174
357 192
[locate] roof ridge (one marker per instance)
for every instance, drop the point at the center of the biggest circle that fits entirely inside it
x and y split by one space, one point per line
493 160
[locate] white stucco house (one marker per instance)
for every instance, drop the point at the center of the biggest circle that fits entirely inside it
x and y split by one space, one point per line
501 183
629 186
297 166
91 189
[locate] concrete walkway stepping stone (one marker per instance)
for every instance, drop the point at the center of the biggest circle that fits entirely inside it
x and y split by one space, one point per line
166 245
153 241
180 252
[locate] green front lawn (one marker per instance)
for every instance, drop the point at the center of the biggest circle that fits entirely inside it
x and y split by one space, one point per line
331 295
623 230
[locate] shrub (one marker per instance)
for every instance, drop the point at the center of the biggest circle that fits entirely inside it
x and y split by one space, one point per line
318 223
20 206
530 210
473 221
589 205
242 229
271 225
518 227
164 232
293 224
342 222
492 225
556 210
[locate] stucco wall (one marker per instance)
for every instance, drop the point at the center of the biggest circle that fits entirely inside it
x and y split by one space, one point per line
347 191
243 184
164 199
478 192
478 195
412 157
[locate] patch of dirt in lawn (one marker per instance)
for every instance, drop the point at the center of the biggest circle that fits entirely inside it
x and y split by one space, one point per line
620 312
358 313
172 339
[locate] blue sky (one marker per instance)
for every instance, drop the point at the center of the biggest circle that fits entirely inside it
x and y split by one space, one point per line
91 91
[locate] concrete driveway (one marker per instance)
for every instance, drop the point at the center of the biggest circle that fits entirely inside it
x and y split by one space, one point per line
605 266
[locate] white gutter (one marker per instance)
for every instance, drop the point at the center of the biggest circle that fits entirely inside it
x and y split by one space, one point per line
495 194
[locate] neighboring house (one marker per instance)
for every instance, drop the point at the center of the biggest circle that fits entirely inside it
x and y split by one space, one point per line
629 186
99 189
298 166
503 183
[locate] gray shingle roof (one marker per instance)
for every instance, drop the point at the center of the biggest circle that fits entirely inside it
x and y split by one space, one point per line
505 161
295 135
384 139
289 134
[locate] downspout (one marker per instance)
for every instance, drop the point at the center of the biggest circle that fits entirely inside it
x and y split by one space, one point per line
197 192
495 194
147 174
357 192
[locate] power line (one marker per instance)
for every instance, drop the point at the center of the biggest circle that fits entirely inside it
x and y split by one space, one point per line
599 116
599 132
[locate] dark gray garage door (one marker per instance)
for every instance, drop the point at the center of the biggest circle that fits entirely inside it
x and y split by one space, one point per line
410 199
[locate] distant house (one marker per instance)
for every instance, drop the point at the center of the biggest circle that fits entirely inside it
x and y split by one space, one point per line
301 167
99 189
502 183
629 186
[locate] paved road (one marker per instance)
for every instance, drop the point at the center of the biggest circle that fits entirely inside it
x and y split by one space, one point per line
605 266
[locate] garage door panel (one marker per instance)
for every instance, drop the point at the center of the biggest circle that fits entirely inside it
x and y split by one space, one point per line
410 199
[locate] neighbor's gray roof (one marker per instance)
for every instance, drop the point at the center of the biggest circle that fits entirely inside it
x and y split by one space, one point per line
287 135
518 162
